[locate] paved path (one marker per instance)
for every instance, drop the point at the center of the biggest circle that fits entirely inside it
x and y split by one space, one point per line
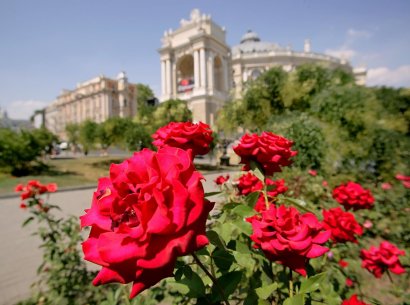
20 255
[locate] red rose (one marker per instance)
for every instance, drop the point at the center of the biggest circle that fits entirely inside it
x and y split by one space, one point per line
402 177
185 135
353 196
269 150
33 188
353 301
325 183
343 225
275 187
378 260
249 183
288 237
221 179
312 172
147 213
343 263
349 282
23 206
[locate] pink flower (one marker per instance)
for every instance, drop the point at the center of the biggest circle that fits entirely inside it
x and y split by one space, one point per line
51 187
268 150
367 224
353 196
312 172
150 211
324 183
288 237
386 186
406 184
221 179
378 260
402 177
353 300
185 135
343 225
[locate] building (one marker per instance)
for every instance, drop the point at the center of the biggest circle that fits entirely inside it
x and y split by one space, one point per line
198 66
97 99
13 124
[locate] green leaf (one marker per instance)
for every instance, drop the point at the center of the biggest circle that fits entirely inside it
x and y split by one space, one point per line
181 288
215 239
263 302
252 198
312 283
178 274
195 285
27 221
243 226
243 211
228 283
298 299
223 259
265 291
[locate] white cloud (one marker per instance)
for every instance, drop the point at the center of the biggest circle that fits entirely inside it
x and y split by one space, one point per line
24 109
346 51
343 53
399 77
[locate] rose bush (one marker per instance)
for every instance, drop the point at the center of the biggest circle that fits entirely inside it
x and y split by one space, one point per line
185 135
353 196
343 225
150 211
291 238
268 150
354 301
381 259
221 179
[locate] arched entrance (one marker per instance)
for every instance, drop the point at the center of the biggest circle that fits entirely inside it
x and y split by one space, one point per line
185 74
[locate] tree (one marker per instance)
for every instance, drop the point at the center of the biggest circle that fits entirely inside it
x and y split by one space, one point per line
72 131
88 135
144 110
173 110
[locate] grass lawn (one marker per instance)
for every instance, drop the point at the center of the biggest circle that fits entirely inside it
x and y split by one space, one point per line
80 171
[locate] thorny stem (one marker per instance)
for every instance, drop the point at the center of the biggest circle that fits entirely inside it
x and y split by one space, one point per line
213 279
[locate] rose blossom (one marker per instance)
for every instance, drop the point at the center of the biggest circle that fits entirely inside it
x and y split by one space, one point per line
275 187
147 213
221 179
288 237
353 196
33 188
349 282
367 224
405 180
353 301
249 183
268 150
312 172
325 183
343 263
386 186
185 135
343 225
378 260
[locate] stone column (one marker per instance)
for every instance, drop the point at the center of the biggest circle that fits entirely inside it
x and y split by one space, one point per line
225 74
169 77
196 69
202 68
163 76
211 70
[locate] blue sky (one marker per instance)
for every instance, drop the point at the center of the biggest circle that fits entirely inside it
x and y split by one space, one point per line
49 45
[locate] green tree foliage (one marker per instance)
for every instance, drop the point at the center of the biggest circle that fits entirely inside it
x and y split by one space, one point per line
73 133
170 111
144 111
88 135
20 152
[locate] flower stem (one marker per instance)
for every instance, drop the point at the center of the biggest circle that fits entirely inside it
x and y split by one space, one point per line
389 275
213 279
290 283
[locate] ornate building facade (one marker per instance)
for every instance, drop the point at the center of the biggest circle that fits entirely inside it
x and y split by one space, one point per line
97 99
198 66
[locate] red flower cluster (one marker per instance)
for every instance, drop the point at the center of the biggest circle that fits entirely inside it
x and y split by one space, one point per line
249 183
343 225
353 196
185 135
221 179
378 260
288 237
354 301
269 150
405 180
147 213
33 188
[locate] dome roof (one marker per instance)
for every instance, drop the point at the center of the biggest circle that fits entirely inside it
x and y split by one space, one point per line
250 36
251 43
